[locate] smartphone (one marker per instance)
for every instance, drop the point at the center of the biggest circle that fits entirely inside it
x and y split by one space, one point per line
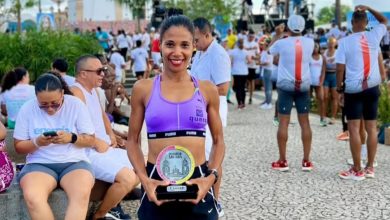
50 133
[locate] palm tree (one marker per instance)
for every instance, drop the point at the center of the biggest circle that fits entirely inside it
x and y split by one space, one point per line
136 6
338 13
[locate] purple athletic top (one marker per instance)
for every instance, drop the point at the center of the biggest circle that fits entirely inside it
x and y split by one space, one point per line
169 119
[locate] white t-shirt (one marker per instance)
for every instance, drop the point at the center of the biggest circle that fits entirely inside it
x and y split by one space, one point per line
359 52
253 48
265 57
73 117
288 64
334 32
315 70
212 65
139 56
122 41
239 61
70 80
146 41
118 60
16 97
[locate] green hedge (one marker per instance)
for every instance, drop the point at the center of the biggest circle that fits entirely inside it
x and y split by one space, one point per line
36 50
384 105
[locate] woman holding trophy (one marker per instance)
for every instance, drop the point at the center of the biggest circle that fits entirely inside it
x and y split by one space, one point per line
177 182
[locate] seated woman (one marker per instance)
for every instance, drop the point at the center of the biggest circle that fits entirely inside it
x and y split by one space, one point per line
54 129
16 91
179 105
6 169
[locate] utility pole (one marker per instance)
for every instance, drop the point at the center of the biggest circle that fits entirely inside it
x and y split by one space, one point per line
338 13
39 6
287 9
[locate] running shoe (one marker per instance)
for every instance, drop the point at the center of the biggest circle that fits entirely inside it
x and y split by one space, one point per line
220 209
280 165
250 101
230 102
351 174
117 213
307 165
343 136
276 121
332 121
369 171
323 123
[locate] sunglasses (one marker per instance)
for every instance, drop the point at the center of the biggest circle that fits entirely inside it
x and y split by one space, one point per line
54 106
99 71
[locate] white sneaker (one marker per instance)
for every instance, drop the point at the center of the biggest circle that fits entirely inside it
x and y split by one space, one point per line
362 163
269 106
264 106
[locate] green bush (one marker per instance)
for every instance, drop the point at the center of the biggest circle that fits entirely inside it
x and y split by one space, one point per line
384 105
36 50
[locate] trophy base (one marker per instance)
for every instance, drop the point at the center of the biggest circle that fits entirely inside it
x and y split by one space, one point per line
173 192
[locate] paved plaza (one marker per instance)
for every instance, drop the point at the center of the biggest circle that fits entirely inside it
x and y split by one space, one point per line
251 190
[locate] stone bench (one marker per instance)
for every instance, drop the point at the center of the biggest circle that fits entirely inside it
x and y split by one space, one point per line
12 205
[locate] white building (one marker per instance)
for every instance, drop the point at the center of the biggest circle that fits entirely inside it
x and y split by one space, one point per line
101 10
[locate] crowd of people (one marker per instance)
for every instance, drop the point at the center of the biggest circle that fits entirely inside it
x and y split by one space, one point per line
64 123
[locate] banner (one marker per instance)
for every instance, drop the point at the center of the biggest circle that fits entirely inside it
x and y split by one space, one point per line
46 21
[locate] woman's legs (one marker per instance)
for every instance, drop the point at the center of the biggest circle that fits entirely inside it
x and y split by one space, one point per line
77 185
320 101
36 187
267 86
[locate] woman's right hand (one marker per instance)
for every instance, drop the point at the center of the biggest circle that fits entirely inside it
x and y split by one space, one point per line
150 186
42 141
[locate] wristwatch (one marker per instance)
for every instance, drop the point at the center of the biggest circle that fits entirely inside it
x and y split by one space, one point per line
74 138
213 172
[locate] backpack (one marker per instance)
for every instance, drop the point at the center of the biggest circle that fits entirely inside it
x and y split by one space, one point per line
6 168
381 134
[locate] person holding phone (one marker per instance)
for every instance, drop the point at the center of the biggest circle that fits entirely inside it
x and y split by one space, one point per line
188 104
53 130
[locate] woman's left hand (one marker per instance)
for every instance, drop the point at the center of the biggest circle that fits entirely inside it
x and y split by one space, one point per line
204 185
62 137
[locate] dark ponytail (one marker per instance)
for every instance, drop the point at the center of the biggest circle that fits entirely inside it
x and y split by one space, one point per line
51 81
12 78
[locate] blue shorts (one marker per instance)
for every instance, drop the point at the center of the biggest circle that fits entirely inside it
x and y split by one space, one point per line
56 170
287 98
330 80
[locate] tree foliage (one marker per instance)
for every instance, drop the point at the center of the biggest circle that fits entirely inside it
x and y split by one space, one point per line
36 50
327 14
207 8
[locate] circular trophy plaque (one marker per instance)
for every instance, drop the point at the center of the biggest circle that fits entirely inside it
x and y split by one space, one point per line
175 164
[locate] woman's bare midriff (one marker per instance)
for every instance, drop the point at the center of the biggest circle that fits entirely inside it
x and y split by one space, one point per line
196 145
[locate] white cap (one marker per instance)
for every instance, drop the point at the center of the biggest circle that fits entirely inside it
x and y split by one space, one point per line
296 23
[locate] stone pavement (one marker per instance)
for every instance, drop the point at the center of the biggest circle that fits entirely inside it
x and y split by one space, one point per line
251 190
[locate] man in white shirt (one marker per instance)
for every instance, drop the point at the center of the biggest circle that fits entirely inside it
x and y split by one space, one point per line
358 77
293 85
334 32
145 39
119 62
140 61
112 166
211 62
252 48
61 66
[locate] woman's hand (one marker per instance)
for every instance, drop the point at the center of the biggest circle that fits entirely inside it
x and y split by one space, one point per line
150 186
204 185
62 137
